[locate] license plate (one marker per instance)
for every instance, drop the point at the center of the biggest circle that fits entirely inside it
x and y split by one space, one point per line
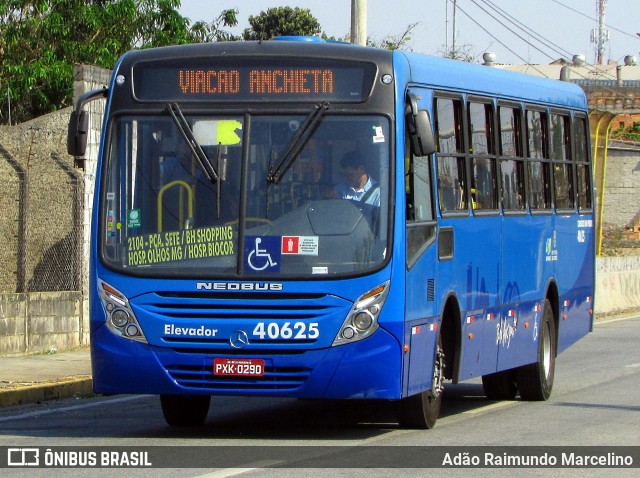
238 367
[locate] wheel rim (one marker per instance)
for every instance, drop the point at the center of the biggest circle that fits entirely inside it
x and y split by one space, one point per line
438 373
546 353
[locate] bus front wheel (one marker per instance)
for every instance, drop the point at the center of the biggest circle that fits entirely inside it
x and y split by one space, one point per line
535 380
422 410
185 410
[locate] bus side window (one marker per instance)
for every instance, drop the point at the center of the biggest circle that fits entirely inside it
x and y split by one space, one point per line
420 216
484 189
511 158
582 164
418 187
452 193
539 167
560 152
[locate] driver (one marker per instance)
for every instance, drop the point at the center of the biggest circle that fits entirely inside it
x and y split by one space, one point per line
358 185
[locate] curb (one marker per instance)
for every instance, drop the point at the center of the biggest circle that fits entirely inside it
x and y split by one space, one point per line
40 392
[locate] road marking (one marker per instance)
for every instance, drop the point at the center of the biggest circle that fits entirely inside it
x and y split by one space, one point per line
49 411
238 471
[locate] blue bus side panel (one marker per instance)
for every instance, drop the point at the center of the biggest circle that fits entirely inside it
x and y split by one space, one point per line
474 277
525 276
422 315
422 345
575 246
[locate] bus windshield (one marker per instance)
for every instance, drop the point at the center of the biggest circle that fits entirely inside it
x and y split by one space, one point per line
326 215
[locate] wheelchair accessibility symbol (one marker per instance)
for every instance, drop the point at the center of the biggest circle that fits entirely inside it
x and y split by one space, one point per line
262 253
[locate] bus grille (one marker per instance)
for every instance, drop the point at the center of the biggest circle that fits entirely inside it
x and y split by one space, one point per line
202 378
241 306
237 311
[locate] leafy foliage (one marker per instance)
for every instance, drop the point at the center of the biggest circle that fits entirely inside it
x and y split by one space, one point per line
40 40
460 52
629 133
395 42
281 21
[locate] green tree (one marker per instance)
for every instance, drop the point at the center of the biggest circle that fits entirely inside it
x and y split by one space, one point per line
394 42
281 21
461 52
40 40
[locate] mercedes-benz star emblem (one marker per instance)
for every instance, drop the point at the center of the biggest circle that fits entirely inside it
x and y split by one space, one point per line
239 339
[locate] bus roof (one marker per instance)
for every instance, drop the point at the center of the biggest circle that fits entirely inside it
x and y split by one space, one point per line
284 47
451 75
434 72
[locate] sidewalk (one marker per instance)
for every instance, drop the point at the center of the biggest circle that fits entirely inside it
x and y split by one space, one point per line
36 378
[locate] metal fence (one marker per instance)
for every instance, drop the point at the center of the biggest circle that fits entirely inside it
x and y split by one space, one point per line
41 213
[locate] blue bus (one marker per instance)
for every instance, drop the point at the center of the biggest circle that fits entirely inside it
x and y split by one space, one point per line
308 219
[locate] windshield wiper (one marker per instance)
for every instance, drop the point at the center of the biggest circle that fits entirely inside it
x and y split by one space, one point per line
297 143
205 163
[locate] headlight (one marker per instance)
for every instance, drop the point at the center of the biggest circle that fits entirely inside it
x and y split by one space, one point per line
362 319
120 317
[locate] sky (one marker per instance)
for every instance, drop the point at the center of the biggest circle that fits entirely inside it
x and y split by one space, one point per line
563 26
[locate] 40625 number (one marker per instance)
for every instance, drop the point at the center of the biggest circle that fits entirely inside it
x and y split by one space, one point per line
286 331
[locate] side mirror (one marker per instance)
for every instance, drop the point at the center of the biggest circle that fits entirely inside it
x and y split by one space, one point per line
419 129
77 133
78 129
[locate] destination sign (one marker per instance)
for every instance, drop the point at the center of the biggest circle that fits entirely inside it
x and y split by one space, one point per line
148 249
279 80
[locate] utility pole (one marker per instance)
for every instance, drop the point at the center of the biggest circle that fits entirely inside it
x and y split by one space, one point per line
359 22
453 39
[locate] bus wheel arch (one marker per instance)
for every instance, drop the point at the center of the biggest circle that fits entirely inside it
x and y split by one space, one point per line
451 333
422 409
553 297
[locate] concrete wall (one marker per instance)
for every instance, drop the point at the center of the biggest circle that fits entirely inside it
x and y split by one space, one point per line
40 322
617 285
622 189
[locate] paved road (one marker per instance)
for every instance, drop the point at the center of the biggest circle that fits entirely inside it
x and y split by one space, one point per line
594 403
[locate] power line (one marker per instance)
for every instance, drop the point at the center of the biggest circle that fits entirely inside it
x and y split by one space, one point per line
591 68
594 19
509 29
528 30
496 38
548 43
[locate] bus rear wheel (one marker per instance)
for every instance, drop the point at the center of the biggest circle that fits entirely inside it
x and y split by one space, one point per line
185 410
535 380
422 410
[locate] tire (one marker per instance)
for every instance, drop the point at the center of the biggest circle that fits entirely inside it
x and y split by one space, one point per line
185 410
422 410
535 381
500 385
